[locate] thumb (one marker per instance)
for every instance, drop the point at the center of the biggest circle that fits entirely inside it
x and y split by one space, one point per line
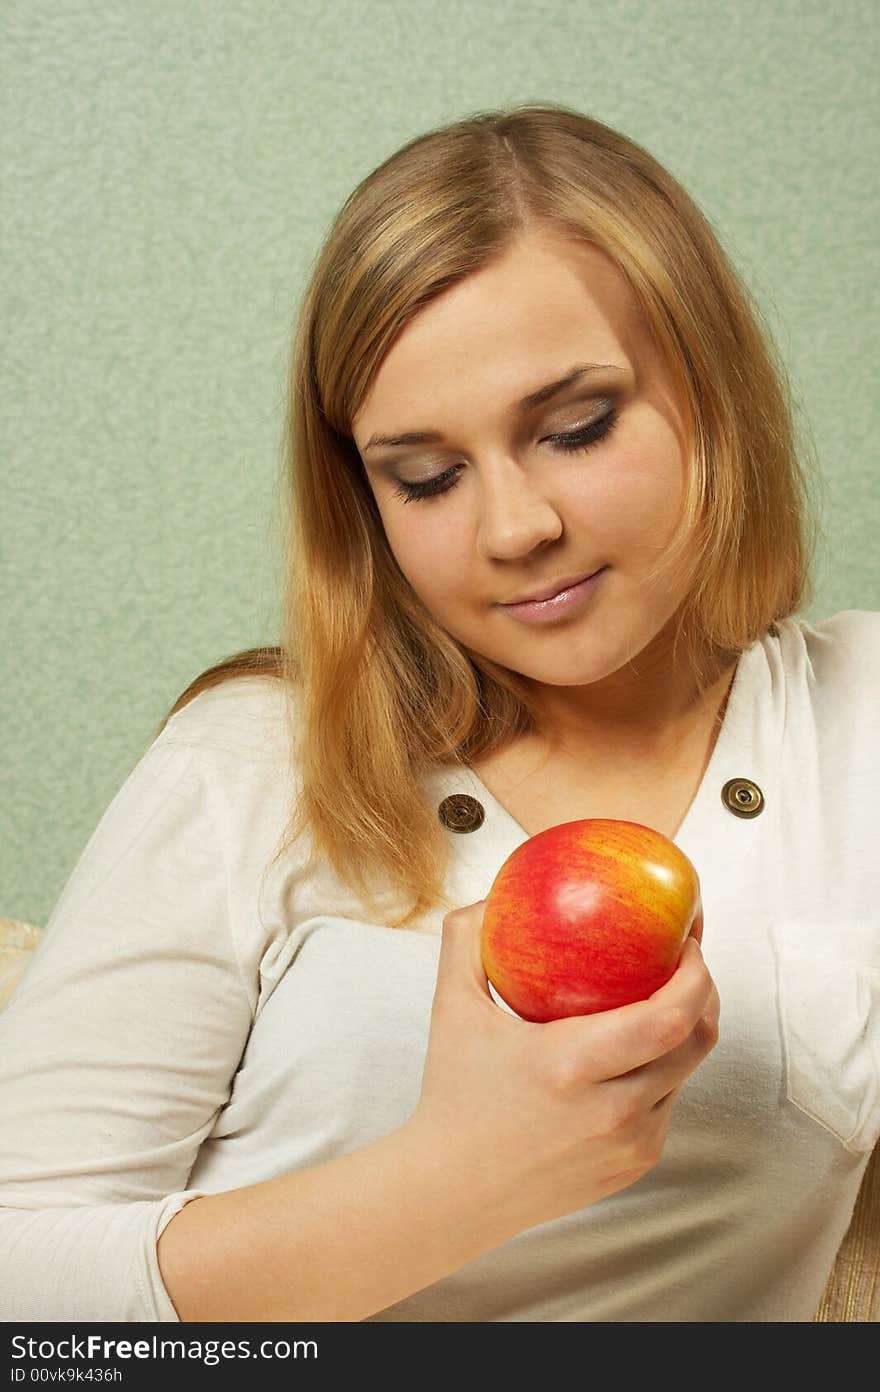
460 948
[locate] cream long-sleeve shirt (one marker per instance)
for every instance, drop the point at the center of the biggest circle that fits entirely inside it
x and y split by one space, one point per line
193 1022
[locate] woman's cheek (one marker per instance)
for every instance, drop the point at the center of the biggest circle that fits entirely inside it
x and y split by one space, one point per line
428 555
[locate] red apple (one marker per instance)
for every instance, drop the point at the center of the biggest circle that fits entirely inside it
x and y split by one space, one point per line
586 916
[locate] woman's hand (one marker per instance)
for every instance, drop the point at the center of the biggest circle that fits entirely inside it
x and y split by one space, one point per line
562 1113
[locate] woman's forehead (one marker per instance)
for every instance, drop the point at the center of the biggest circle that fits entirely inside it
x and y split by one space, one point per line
507 330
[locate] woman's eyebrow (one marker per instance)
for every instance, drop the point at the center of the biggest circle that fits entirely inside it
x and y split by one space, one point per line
521 408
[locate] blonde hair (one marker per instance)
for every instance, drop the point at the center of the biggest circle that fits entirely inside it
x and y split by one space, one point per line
383 693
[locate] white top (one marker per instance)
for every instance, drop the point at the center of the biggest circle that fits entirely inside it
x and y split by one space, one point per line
183 1029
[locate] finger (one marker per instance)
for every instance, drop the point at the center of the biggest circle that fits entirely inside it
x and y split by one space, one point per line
460 954
697 926
654 1081
665 1102
614 1042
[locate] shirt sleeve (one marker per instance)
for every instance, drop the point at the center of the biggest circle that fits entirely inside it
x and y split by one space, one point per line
117 1051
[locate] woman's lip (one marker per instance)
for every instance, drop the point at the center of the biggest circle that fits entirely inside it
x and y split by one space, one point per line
548 609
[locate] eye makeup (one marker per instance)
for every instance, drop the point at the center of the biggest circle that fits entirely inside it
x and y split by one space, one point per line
566 441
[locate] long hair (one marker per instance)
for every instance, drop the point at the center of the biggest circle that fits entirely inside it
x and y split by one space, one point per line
381 692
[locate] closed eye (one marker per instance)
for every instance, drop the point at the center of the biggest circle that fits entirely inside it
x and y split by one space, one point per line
569 442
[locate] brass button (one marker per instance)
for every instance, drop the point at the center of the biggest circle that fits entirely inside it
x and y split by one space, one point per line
460 812
742 796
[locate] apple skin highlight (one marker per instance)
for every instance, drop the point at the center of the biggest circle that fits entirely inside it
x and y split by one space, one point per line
586 916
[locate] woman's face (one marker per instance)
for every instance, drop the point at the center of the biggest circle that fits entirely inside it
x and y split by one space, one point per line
515 512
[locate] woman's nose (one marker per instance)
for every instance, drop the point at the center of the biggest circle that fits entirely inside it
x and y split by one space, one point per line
514 515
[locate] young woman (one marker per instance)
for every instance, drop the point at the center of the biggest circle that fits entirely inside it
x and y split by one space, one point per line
254 1070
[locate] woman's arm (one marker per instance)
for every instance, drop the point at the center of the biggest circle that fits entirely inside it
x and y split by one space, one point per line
117 1052
516 1124
335 1242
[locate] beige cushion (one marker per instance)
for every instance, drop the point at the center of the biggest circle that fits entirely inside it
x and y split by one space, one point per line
853 1290
17 941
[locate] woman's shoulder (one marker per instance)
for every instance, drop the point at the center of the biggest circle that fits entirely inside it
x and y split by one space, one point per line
253 716
829 672
842 646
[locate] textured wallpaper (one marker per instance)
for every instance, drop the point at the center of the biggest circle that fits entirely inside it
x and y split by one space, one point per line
169 170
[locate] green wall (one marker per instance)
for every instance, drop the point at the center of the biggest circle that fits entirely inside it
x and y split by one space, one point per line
169 170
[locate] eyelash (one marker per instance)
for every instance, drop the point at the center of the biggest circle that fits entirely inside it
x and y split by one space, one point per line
569 443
